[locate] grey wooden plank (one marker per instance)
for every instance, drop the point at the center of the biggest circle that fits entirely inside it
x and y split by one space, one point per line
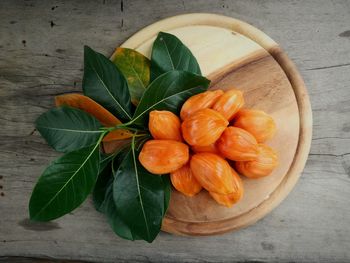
34 260
41 56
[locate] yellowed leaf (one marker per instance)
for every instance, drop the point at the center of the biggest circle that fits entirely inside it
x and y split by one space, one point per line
90 106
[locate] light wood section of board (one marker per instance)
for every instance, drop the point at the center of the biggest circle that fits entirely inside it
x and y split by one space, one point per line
234 54
214 47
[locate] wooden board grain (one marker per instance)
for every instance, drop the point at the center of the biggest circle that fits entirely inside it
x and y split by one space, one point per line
39 61
234 54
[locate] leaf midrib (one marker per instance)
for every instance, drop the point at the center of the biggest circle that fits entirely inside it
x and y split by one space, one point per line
70 179
162 100
167 50
135 72
110 94
138 186
138 78
69 130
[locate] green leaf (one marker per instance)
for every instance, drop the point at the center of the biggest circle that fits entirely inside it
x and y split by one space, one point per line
168 92
136 70
169 53
117 224
104 203
139 197
67 129
167 192
104 83
105 159
98 195
65 184
105 174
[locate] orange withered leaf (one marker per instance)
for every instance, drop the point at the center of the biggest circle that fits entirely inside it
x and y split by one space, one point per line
203 127
90 106
263 165
257 122
112 146
199 101
119 134
163 156
213 172
237 144
184 181
229 103
164 125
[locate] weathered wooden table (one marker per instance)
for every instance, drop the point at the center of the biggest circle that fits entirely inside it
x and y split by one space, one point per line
41 54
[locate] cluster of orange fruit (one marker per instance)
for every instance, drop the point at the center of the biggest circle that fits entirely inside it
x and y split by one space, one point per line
198 149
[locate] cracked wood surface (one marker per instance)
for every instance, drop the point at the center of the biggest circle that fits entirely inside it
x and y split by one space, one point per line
41 55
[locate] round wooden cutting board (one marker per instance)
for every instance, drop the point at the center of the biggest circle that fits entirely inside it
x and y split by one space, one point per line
232 53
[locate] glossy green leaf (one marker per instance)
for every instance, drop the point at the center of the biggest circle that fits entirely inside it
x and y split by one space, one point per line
139 197
167 192
168 92
136 70
65 184
117 224
104 83
67 129
98 195
105 174
105 159
169 53
104 203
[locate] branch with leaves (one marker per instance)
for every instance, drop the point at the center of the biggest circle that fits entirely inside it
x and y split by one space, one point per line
118 97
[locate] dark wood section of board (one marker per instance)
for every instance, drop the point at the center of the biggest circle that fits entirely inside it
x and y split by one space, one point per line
41 55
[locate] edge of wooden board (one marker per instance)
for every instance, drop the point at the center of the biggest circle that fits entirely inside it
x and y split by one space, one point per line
305 114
